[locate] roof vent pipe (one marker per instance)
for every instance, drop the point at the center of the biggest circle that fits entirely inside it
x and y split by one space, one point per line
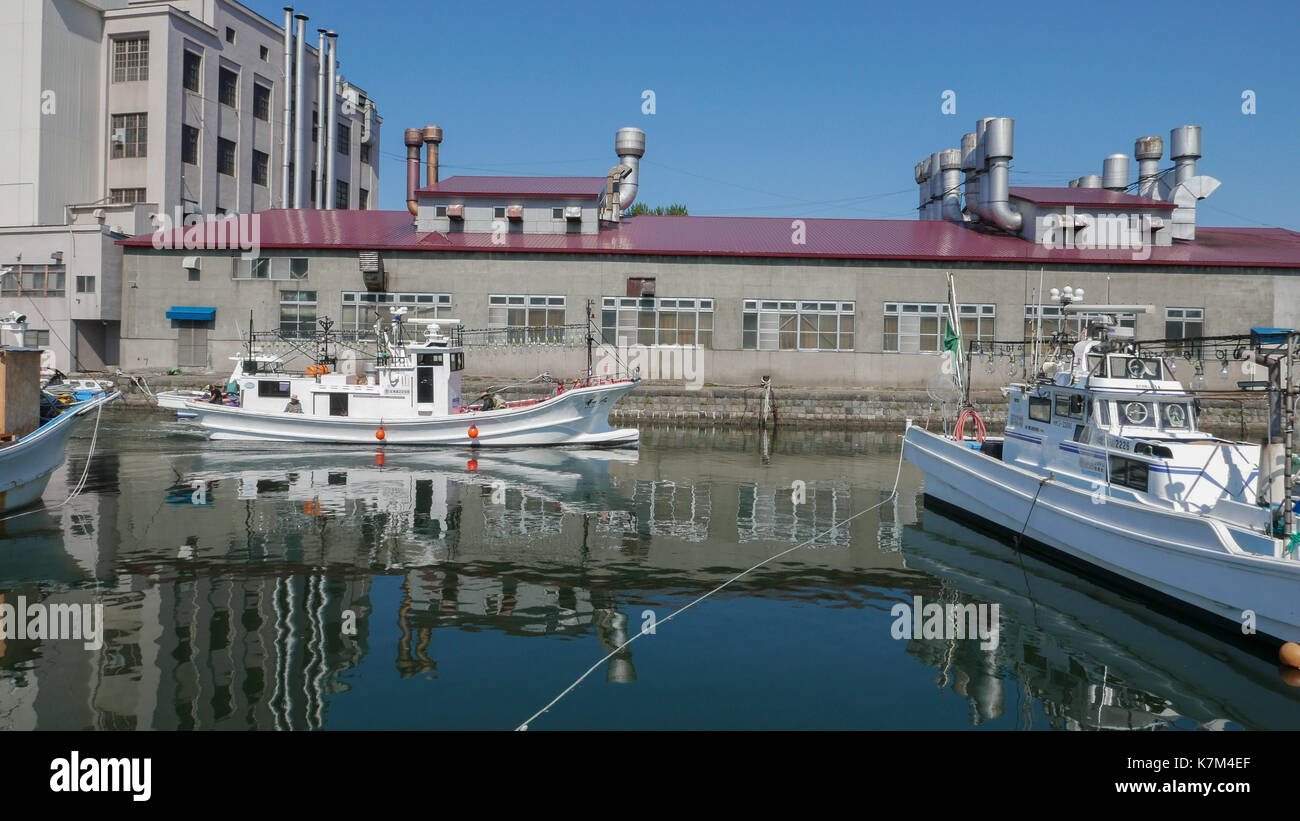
1090 181
321 136
1074 183
331 105
1114 173
300 110
968 144
432 139
981 167
999 144
950 187
287 156
412 139
1185 150
936 186
922 183
1148 151
629 145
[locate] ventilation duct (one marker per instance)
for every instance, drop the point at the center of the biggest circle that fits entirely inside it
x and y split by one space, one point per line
629 145
432 139
1148 151
299 111
936 187
968 145
981 168
331 100
922 174
412 139
1114 173
322 137
286 160
1185 150
999 145
950 187
1090 181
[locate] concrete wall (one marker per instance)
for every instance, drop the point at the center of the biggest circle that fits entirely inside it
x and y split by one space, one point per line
1233 300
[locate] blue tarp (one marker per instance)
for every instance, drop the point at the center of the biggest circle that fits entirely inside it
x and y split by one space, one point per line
191 312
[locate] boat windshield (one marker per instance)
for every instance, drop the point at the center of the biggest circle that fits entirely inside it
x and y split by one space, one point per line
1171 416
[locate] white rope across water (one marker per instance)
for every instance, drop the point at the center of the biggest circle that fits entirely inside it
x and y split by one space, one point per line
892 493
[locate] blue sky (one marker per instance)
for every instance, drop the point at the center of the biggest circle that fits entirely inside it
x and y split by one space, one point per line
822 109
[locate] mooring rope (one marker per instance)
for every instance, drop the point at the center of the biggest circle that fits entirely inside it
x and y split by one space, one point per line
892 493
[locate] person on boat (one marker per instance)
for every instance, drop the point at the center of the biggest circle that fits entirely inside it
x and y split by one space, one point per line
217 396
491 401
294 405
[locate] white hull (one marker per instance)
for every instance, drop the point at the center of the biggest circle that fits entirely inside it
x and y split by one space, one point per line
1195 560
575 417
175 400
26 465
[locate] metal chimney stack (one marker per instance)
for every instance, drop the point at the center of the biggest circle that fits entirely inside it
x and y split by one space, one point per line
432 135
1185 150
321 136
1114 173
950 186
1148 151
936 186
968 146
300 111
286 200
413 140
922 173
331 101
1090 181
629 145
999 146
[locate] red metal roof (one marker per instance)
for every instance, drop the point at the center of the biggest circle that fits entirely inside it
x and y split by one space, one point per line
1091 197
760 237
517 187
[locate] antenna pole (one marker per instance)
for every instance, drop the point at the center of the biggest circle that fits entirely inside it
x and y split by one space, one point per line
590 320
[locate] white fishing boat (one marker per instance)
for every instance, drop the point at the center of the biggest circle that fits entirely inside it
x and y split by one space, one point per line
411 396
256 362
1103 468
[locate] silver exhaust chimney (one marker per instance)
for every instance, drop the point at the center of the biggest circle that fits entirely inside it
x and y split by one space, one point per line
300 110
286 159
999 144
412 139
317 173
982 169
432 139
950 187
1185 150
936 186
1090 181
1148 151
1074 183
331 95
922 174
629 145
1114 173
968 145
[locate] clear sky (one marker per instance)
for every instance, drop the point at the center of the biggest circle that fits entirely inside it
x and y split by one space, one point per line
822 109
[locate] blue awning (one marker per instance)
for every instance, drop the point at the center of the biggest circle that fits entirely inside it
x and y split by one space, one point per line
191 312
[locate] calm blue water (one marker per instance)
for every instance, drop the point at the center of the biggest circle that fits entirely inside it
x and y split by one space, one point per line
349 588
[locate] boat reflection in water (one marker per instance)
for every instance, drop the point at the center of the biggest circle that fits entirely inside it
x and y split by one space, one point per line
1080 650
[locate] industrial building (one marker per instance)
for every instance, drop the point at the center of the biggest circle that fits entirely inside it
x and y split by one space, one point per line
125 113
728 300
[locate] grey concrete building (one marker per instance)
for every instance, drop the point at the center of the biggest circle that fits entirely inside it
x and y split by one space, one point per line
711 300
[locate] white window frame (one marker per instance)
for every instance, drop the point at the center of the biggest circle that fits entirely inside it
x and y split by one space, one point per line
638 320
908 325
297 302
1055 319
501 306
129 65
798 325
361 309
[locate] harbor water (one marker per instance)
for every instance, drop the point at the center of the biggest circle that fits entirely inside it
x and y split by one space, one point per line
334 587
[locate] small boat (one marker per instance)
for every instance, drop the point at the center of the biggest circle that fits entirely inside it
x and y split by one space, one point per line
251 363
1103 469
411 396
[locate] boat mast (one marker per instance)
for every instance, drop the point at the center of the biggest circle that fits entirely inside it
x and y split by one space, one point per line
1288 495
590 318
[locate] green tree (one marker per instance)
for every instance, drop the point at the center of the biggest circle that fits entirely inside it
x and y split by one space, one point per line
677 209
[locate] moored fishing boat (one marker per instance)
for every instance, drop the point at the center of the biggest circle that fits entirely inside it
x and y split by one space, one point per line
1103 468
411 396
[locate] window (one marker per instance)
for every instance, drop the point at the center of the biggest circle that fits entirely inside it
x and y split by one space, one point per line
527 318
362 309
1138 414
917 327
790 325
298 268
297 313
1055 321
499 212
365 153
225 157
32 280
440 210
315 125
125 196
1040 409
228 88
263 53
650 321
1128 473
273 389
260 268
192 274
130 135
1069 406
1186 323
261 102
338 404
36 339
363 199
343 139
85 284
557 213
261 161
130 59
189 144
190 71
340 195
458 361
230 35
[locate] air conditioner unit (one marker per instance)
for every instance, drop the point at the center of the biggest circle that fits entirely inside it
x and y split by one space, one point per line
119 136
573 212
456 212
190 263
372 271
515 212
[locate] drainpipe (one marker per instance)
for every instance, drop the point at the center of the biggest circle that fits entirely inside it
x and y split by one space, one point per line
318 173
999 140
300 108
331 94
412 139
288 107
